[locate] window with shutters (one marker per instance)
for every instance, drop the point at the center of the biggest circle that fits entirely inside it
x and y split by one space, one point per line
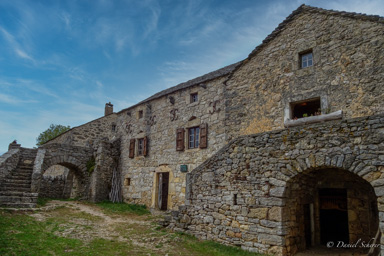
145 146
140 147
203 136
180 139
132 148
193 137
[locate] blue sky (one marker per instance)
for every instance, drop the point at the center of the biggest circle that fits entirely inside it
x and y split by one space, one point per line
61 61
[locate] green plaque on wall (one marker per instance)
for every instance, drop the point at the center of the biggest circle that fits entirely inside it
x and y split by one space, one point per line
184 168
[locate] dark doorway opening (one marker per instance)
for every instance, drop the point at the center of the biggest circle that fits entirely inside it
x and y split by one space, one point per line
162 197
307 226
333 215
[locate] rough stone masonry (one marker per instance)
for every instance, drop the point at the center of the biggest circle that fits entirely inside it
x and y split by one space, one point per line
277 153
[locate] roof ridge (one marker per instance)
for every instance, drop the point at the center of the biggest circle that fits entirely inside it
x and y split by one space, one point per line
195 81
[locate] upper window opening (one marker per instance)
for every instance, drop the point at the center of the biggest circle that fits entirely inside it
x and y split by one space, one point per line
140 147
193 137
141 114
306 59
306 108
113 127
194 97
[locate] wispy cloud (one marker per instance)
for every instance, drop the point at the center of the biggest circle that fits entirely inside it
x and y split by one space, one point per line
373 7
12 100
15 45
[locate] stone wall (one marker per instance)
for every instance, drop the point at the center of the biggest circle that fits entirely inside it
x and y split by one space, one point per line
106 160
253 191
348 53
87 134
53 183
161 119
8 162
53 187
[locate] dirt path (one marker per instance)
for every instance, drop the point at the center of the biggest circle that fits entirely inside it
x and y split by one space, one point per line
88 222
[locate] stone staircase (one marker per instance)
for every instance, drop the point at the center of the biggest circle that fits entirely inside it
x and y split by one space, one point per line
15 191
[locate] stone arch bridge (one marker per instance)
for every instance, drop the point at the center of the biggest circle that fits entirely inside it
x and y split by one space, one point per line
22 169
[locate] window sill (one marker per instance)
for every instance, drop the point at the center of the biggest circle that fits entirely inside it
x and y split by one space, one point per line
192 104
192 149
314 119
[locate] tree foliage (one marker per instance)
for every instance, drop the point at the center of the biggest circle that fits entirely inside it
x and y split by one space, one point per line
53 131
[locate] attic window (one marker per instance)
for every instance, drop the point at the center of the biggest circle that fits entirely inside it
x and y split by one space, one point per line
140 114
194 97
113 127
306 59
311 107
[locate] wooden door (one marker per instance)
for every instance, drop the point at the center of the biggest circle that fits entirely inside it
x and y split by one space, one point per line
162 196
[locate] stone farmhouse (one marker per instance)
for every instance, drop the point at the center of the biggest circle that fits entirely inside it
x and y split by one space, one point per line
277 153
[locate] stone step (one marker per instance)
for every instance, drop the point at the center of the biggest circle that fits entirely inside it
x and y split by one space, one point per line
23 170
17 181
17 185
25 167
27 174
18 199
19 205
29 168
15 189
20 177
15 193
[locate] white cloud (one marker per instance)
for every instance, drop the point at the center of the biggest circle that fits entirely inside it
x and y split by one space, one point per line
372 7
12 100
15 45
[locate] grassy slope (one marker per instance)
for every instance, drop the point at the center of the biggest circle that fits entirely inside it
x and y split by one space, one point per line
21 234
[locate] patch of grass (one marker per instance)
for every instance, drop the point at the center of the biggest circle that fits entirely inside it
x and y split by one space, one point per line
22 235
42 201
124 208
63 214
212 248
67 199
105 247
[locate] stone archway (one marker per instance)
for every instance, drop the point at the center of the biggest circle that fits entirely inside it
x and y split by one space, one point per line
330 208
71 157
62 182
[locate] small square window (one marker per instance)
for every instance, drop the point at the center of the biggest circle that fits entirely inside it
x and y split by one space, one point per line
127 182
193 137
194 97
141 114
306 59
311 107
140 147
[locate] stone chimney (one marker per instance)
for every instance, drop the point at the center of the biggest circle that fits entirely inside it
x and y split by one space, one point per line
108 109
14 145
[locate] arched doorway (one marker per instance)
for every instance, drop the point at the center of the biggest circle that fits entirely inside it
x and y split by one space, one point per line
330 208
